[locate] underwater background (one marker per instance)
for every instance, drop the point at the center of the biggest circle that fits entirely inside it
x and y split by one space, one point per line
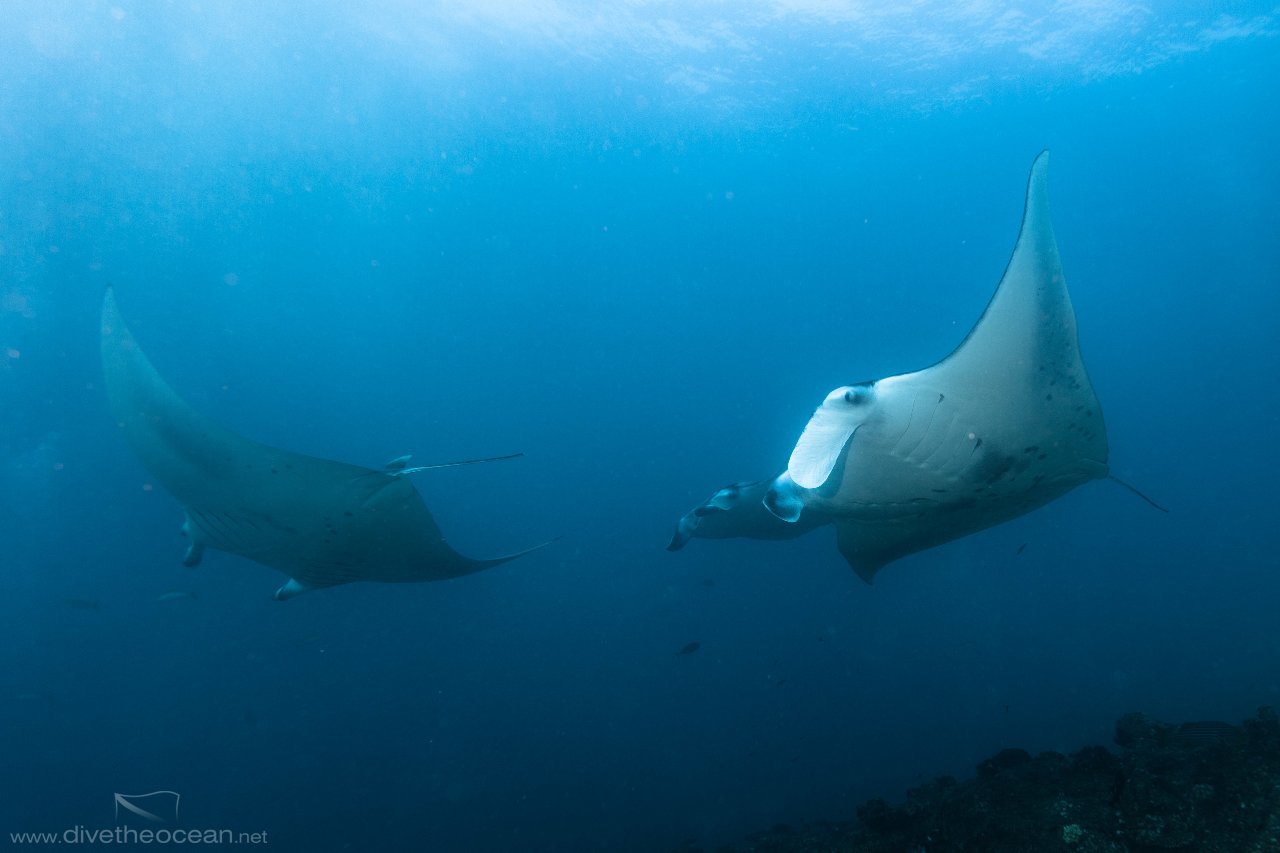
638 242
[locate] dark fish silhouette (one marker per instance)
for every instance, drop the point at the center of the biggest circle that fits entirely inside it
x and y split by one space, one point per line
689 648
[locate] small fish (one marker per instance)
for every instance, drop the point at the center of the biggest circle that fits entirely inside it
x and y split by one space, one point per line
1021 548
176 595
689 648
83 603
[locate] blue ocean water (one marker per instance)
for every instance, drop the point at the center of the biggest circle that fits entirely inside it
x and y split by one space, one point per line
638 244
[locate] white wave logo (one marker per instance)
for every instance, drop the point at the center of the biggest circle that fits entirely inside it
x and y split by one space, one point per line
158 806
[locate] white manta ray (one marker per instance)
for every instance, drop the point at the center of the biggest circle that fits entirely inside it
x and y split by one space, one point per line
1005 424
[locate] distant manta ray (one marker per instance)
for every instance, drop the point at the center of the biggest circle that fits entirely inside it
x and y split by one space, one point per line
1005 424
322 523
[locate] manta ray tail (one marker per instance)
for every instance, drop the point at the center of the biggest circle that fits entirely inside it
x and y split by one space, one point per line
506 558
1113 478
396 467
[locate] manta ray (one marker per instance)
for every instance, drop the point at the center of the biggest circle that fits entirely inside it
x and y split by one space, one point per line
1003 425
322 523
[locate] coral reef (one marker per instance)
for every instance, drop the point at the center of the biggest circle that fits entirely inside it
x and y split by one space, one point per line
1202 786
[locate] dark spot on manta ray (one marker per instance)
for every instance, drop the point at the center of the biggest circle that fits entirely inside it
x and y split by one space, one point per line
992 466
689 648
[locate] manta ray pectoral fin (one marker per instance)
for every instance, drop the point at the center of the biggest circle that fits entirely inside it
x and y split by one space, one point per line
864 563
292 589
828 433
783 499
